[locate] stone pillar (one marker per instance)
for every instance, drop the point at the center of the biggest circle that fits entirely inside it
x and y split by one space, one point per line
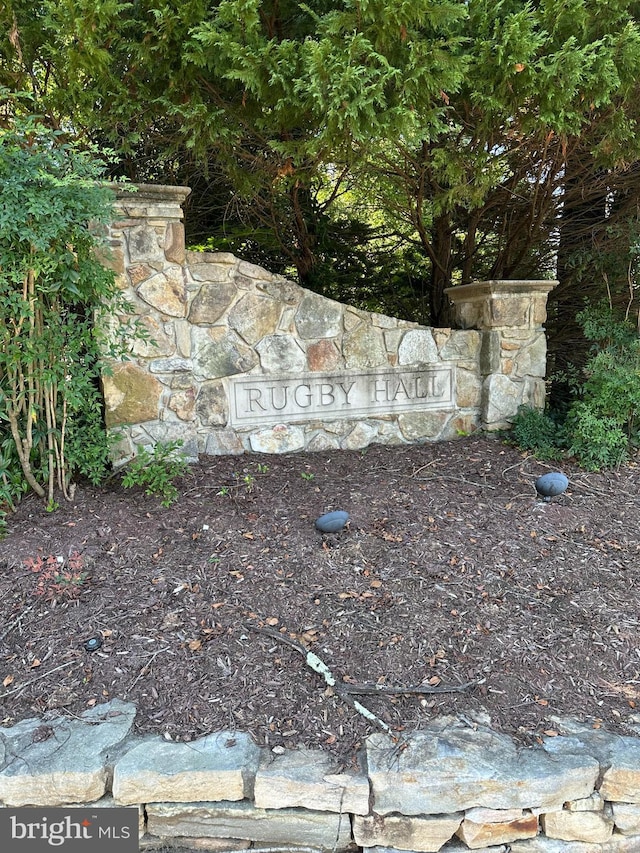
510 315
147 244
150 227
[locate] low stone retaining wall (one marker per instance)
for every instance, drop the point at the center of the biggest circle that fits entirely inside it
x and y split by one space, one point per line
239 359
455 786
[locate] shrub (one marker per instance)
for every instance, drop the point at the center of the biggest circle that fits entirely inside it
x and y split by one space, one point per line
53 292
597 441
602 423
536 431
156 470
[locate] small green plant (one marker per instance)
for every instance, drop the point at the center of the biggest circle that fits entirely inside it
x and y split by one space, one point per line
263 468
57 577
249 481
156 470
536 431
307 475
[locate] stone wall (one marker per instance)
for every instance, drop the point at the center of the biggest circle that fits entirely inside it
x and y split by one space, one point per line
458 785
238 359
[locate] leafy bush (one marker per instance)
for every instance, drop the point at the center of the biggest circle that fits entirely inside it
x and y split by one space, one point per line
602 423
596 440
536 431
156 470
611 386
54 291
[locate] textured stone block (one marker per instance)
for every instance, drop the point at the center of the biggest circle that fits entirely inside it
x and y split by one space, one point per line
278 439
468 389
303 778
405 833
418 426
254 317
207 845
158 342
223 442
318 317
531 358
361 436
131 395
417 347
242 820
174 246
220 766
477 834
595 827
143 246
618 755
541 844
323 355
626 817
211 302
218 352
501 398
212 405
166 292
448 767
364 347
621 781
281 354
64 760
594 803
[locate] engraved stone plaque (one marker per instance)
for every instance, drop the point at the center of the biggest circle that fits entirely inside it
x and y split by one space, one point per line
261 400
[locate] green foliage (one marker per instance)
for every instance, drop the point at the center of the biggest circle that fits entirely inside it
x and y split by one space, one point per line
535 431
383 149
596 440
602 423
54 293
156 470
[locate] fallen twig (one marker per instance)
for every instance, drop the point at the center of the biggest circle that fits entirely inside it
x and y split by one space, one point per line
454 479
363 689
346 690
143 671
36 678
319 666
16 622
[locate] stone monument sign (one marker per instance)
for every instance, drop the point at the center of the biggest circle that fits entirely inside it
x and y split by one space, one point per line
239 360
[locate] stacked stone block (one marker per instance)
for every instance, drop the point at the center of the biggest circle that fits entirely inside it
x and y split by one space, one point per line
455 786
510 315
210 319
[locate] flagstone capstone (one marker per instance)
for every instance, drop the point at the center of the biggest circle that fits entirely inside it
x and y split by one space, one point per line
452 767
62 760
619 755
219 766
305 778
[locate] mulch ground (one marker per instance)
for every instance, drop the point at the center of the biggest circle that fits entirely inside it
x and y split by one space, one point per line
449 573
